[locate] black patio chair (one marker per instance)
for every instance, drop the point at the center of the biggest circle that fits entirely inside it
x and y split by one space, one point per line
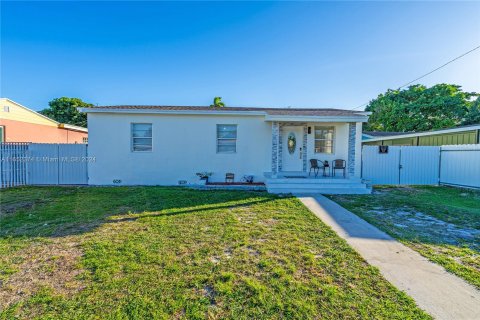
316 165
339 164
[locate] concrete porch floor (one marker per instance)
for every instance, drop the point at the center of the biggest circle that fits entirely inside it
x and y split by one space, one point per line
302 174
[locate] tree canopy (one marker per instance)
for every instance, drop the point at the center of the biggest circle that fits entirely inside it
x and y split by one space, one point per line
473 116
419 108
64 110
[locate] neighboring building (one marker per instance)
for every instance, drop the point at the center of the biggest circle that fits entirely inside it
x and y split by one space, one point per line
21 124
167 145
460 135
367 135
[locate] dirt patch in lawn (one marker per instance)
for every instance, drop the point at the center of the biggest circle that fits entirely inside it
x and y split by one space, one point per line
54 265
426 226
10 208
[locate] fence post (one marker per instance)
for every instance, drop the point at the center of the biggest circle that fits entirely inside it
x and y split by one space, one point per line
399 165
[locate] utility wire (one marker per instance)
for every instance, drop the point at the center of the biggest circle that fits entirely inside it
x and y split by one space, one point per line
428 73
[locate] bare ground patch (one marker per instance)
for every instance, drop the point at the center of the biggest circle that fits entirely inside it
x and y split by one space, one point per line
53 265
269 222
9 208
427 226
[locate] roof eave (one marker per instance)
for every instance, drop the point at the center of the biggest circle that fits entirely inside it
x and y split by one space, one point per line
352 118
425 133
72 127
185 112
357 117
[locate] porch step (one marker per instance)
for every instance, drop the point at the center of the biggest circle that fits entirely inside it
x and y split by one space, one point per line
322 191
313 181
323 186
314 187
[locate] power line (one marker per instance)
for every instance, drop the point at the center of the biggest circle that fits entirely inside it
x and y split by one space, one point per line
443 65
428 73
362 105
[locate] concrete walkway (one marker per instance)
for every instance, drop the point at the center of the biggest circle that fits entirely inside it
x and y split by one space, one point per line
436 291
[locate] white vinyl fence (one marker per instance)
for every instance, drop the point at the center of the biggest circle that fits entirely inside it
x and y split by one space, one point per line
403 165
43 164
13 170
460 165
66 164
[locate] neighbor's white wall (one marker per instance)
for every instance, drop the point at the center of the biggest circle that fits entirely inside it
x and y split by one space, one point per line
182 146
340 144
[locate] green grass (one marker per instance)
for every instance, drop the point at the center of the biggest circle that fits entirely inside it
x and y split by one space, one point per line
441 223
166 253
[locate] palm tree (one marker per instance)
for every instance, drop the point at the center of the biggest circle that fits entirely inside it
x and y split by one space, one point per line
217 103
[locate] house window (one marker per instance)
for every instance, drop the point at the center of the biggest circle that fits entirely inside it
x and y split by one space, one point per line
6 109
324 137
141 137
85 139
2 134
226 138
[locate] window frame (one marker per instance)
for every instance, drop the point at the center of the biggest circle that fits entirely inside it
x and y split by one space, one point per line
2 134
132 124
218 138
315 139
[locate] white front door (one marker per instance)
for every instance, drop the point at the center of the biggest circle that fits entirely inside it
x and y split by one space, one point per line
292 141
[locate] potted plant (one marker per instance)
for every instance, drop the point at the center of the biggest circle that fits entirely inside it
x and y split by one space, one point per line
204 176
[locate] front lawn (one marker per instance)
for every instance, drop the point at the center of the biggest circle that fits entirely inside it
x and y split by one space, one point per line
153 252
441 223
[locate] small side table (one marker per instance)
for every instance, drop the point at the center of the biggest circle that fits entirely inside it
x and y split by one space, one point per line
326 170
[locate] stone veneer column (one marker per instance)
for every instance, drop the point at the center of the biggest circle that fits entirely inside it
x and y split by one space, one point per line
275 140
280 147
304 148
352 130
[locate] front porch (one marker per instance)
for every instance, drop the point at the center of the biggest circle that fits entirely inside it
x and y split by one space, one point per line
294 144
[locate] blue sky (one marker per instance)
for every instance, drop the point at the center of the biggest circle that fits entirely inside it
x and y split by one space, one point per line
278 54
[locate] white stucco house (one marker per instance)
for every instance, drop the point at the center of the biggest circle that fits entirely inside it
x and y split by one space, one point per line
168 145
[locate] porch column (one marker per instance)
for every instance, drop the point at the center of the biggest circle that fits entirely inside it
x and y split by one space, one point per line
304 147
352 130
275 148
